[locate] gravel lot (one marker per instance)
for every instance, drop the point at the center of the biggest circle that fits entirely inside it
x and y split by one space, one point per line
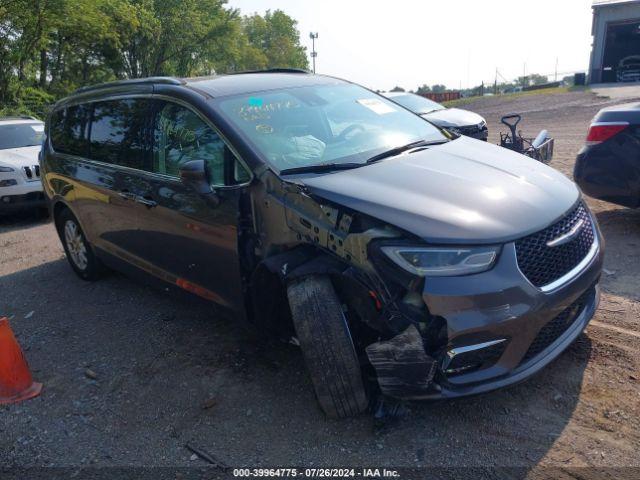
132 374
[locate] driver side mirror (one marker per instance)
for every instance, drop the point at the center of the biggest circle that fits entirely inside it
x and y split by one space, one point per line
194 174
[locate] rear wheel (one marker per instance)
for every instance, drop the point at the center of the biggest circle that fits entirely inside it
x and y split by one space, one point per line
78 250
327 346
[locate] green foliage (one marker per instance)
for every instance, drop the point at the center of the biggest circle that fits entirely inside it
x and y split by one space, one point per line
397 89
32 101
432 89
275 37
51 47
533 79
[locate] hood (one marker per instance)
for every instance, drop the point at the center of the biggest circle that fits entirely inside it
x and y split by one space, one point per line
453 117
20 157
463 191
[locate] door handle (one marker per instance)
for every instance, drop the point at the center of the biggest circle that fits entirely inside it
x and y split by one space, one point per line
147 202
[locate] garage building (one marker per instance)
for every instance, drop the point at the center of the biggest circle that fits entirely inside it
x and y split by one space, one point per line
615 54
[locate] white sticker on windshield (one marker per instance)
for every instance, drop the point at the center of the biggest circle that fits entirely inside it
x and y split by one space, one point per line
37 128
376 105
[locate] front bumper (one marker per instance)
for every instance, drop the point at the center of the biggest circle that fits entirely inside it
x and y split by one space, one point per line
502 314
19 199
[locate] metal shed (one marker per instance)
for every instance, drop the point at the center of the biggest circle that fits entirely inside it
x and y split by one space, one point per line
615 53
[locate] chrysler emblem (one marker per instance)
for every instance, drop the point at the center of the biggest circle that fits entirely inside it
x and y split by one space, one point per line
566 237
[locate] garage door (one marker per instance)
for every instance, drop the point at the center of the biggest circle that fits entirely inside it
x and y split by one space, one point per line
621 61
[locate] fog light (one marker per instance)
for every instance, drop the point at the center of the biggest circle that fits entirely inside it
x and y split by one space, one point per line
6 199
8 183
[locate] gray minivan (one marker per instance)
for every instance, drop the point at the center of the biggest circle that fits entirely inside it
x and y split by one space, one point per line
405 262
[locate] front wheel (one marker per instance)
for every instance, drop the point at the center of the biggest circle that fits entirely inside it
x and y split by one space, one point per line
327 346
78 250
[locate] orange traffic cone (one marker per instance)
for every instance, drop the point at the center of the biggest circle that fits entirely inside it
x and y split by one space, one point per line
16 383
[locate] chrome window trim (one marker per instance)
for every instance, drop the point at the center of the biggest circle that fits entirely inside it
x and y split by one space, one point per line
156 175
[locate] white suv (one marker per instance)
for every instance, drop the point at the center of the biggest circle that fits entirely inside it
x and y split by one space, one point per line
20 143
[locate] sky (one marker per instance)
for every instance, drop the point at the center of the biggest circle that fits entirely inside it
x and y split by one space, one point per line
459 43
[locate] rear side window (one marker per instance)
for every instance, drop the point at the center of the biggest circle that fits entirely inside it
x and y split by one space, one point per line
69 130
119 132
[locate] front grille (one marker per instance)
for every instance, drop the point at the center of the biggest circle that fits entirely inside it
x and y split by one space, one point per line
471 129
542 264
32 173
557 326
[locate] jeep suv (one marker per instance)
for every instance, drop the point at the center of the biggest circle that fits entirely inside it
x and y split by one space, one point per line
405 262
20 143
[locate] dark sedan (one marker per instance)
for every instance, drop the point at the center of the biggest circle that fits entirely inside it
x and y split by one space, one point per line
608 167
457 120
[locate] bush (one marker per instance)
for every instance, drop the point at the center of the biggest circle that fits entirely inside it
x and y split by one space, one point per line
31 101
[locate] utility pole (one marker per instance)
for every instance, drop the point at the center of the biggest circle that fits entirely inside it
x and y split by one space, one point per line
495 83
314 54
555 78
524 75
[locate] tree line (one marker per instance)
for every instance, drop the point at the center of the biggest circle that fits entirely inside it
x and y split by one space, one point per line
49 48
490 87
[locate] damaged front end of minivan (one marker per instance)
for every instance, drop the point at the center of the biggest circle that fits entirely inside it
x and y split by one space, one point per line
298 234
426 320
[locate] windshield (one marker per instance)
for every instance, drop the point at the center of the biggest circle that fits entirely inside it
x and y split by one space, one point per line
326 124
21 135
416 103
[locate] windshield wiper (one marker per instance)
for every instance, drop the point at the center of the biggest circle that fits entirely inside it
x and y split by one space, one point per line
398 150
330 167
321 168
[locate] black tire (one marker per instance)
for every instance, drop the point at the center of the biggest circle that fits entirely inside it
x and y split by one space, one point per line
327 346
91 268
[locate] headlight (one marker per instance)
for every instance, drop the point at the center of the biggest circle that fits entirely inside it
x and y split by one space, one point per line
6 169
442 261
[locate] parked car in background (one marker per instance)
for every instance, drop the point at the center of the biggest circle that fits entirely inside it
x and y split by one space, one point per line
457 120
608 166
629 69
400 259
20 144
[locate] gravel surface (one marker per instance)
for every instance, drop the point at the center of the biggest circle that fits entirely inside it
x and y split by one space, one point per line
132 374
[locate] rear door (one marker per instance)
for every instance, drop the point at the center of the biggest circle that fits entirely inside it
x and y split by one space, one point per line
120 156
175 231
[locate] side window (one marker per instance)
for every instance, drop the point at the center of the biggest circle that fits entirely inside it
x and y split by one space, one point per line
180 135
69 128
56 130
119 131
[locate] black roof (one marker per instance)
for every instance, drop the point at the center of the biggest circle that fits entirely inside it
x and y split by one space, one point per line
224 85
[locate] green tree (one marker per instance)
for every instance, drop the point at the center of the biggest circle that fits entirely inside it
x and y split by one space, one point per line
277 37
533 79
50 47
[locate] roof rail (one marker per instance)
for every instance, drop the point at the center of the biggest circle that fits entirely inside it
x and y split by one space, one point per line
131 81
275 70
